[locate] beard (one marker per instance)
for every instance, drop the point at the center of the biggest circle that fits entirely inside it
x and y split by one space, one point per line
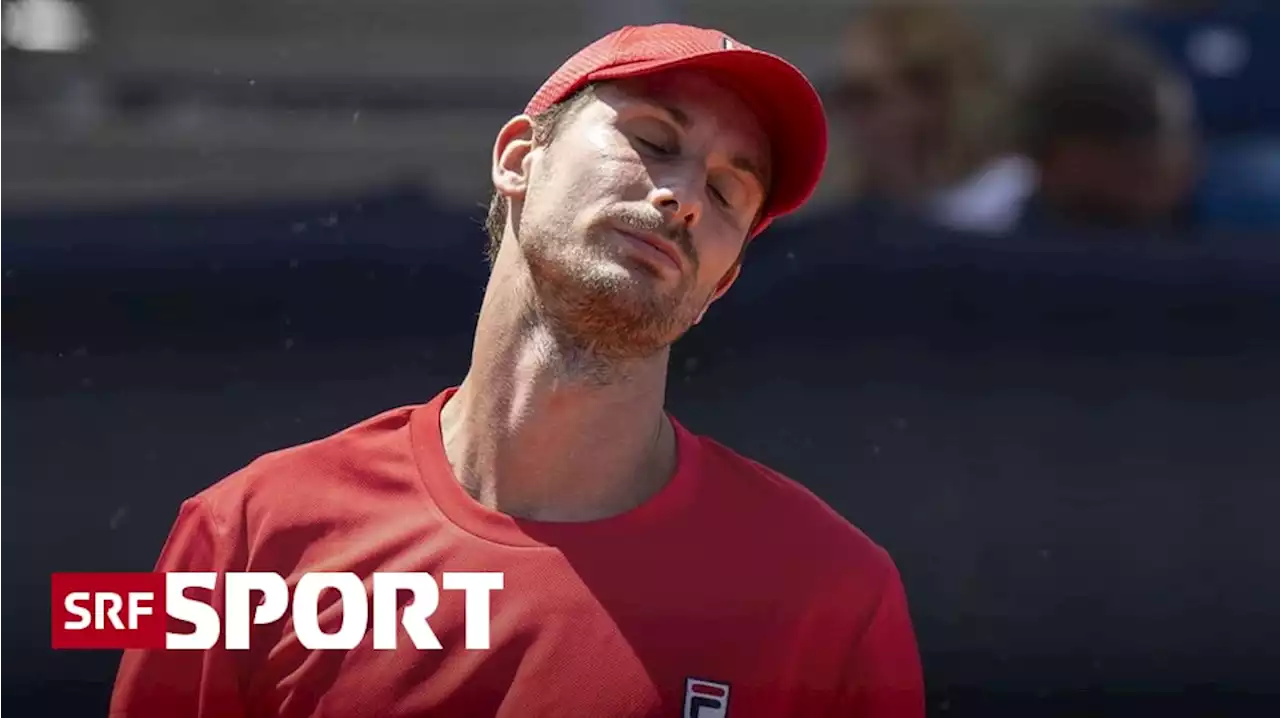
603 304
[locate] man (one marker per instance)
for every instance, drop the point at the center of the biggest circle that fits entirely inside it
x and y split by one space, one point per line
647 571
1112 133
923 101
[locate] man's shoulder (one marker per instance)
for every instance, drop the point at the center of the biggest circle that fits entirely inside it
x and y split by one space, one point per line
796 518
333 468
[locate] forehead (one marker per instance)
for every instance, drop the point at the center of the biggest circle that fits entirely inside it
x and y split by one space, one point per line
698 101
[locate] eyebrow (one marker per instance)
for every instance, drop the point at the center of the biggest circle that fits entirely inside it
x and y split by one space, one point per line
740 163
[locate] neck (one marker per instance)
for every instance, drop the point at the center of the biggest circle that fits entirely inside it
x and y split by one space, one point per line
542 430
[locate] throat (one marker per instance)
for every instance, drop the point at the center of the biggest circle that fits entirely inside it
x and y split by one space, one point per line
545 428
557 464
541 433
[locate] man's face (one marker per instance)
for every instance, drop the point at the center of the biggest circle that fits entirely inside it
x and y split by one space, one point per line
1130 182
897 117
1145 182
635 215
1121 184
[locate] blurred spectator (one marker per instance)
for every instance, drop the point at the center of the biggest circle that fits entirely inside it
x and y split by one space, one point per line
922 95
1112 132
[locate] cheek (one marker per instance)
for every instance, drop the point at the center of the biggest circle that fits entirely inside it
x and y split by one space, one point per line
595 167
716 256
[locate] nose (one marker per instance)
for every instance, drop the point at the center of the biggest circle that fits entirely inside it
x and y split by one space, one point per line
678 201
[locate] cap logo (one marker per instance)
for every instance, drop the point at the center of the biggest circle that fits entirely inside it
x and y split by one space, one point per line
728 43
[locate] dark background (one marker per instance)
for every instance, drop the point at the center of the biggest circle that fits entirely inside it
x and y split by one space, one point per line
1071 446
1071 450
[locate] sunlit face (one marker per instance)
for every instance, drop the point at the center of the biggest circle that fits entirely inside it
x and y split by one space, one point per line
634 217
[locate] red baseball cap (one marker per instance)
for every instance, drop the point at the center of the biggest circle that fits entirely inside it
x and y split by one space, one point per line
782 98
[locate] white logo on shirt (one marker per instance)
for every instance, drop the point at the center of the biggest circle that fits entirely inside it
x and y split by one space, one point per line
705 699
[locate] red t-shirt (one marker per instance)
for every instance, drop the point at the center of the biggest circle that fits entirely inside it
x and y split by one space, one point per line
732 588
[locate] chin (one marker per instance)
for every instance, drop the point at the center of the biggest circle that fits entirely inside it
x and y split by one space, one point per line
627 315
617 271
622 277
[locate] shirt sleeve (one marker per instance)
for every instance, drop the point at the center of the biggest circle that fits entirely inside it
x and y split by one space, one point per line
200 684
886 678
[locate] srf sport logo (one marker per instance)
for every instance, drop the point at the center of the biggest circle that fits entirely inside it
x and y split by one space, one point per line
705 699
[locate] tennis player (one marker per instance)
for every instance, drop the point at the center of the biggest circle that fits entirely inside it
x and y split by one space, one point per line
648 571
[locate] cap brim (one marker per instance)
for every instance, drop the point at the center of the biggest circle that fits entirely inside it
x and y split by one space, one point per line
783 100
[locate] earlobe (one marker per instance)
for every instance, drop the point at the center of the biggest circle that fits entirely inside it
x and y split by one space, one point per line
510 154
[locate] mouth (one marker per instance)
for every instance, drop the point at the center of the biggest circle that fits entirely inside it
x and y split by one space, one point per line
655 249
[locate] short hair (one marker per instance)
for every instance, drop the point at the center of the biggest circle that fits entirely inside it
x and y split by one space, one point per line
1101 88
546 125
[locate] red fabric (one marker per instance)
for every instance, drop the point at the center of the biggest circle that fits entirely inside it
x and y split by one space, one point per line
731 574
783 99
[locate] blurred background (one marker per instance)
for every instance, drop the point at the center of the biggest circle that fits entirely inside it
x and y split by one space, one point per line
1027 336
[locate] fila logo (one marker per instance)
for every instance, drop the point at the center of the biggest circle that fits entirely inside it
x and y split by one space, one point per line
705 699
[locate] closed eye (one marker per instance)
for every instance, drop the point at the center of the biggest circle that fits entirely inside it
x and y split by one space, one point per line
654 147
719 197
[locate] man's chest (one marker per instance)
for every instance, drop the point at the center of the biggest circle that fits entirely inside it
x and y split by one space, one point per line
557 646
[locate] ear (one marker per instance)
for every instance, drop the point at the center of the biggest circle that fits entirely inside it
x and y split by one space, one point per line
511 151
721 289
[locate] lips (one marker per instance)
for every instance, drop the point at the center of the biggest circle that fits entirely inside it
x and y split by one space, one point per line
658 245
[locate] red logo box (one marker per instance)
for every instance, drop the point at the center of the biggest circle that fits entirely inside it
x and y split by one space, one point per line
108 610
